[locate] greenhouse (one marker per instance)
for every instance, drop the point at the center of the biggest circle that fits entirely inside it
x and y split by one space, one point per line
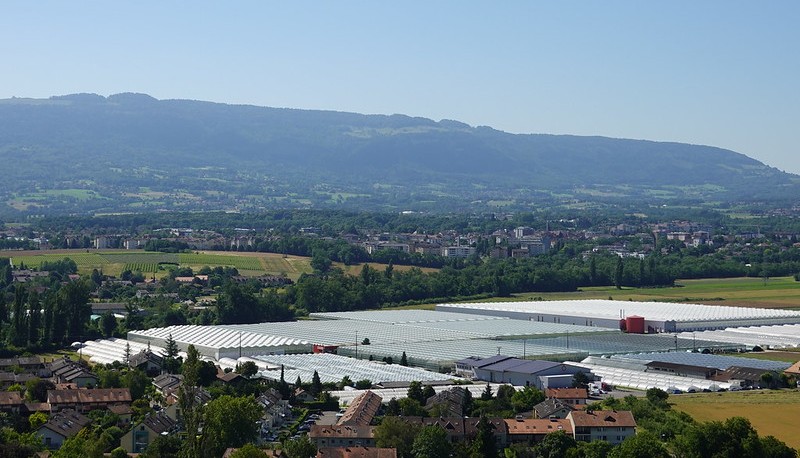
619 343
658 316
107 351
640 380
331 368
779 336
442 355
387 394
480 326
720 362
218 342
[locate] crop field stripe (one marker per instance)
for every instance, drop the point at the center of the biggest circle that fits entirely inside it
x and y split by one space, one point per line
81 259
141 267
149 258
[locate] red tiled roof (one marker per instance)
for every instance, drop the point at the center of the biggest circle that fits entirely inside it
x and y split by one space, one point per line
10 398
357 431
605 418
89 396
567 393
356 452
537 426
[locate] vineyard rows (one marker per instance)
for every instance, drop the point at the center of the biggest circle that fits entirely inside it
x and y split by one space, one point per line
142 267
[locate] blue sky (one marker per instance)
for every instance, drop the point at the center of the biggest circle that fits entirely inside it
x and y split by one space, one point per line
722 73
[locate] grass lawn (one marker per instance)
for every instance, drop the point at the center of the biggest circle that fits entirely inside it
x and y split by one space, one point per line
788 355
772 412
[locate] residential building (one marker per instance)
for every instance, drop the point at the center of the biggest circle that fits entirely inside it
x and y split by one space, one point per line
362 410
142 434
571 396
146 361
608 425
458 251
61 426
11 402
85 400
356 452
552 408
342 435
67 371
533 430
448 403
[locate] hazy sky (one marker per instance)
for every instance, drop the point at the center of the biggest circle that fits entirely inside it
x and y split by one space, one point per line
722 73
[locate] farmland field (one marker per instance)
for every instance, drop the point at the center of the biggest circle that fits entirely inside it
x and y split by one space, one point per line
771 412
777 292
140 257
84 260
207 259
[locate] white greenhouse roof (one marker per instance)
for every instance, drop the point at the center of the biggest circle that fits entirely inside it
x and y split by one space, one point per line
778 336
482 326
610 309
721 362
107 351
387 394
645 380
332 368
217 337
445 353
345 332
610 344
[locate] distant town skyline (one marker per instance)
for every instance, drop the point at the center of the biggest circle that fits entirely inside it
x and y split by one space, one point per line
720 73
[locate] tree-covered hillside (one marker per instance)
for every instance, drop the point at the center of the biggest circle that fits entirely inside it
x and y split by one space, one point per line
88 153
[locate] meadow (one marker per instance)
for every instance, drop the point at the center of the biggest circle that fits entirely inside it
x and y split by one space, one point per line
775 292
772 412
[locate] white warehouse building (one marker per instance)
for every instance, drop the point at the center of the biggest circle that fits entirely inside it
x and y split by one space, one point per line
657 316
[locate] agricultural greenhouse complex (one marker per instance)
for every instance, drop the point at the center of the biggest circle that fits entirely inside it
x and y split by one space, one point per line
656 316
432 341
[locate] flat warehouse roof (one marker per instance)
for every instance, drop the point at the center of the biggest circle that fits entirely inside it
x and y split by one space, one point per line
610 309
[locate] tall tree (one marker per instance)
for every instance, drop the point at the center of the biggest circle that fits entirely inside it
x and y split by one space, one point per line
316 384
229 422
75 302
3 306
394 432
34 318
302 447
170 361
18 332
108 323
431 442
190 405
485 444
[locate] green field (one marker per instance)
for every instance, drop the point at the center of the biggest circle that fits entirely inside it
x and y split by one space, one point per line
113 262
213 259
789 355
777 292
772 412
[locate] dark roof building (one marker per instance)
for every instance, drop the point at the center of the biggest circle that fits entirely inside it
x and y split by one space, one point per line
552 408
84 400
61 426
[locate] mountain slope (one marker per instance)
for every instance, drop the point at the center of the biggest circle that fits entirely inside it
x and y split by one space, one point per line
86 152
